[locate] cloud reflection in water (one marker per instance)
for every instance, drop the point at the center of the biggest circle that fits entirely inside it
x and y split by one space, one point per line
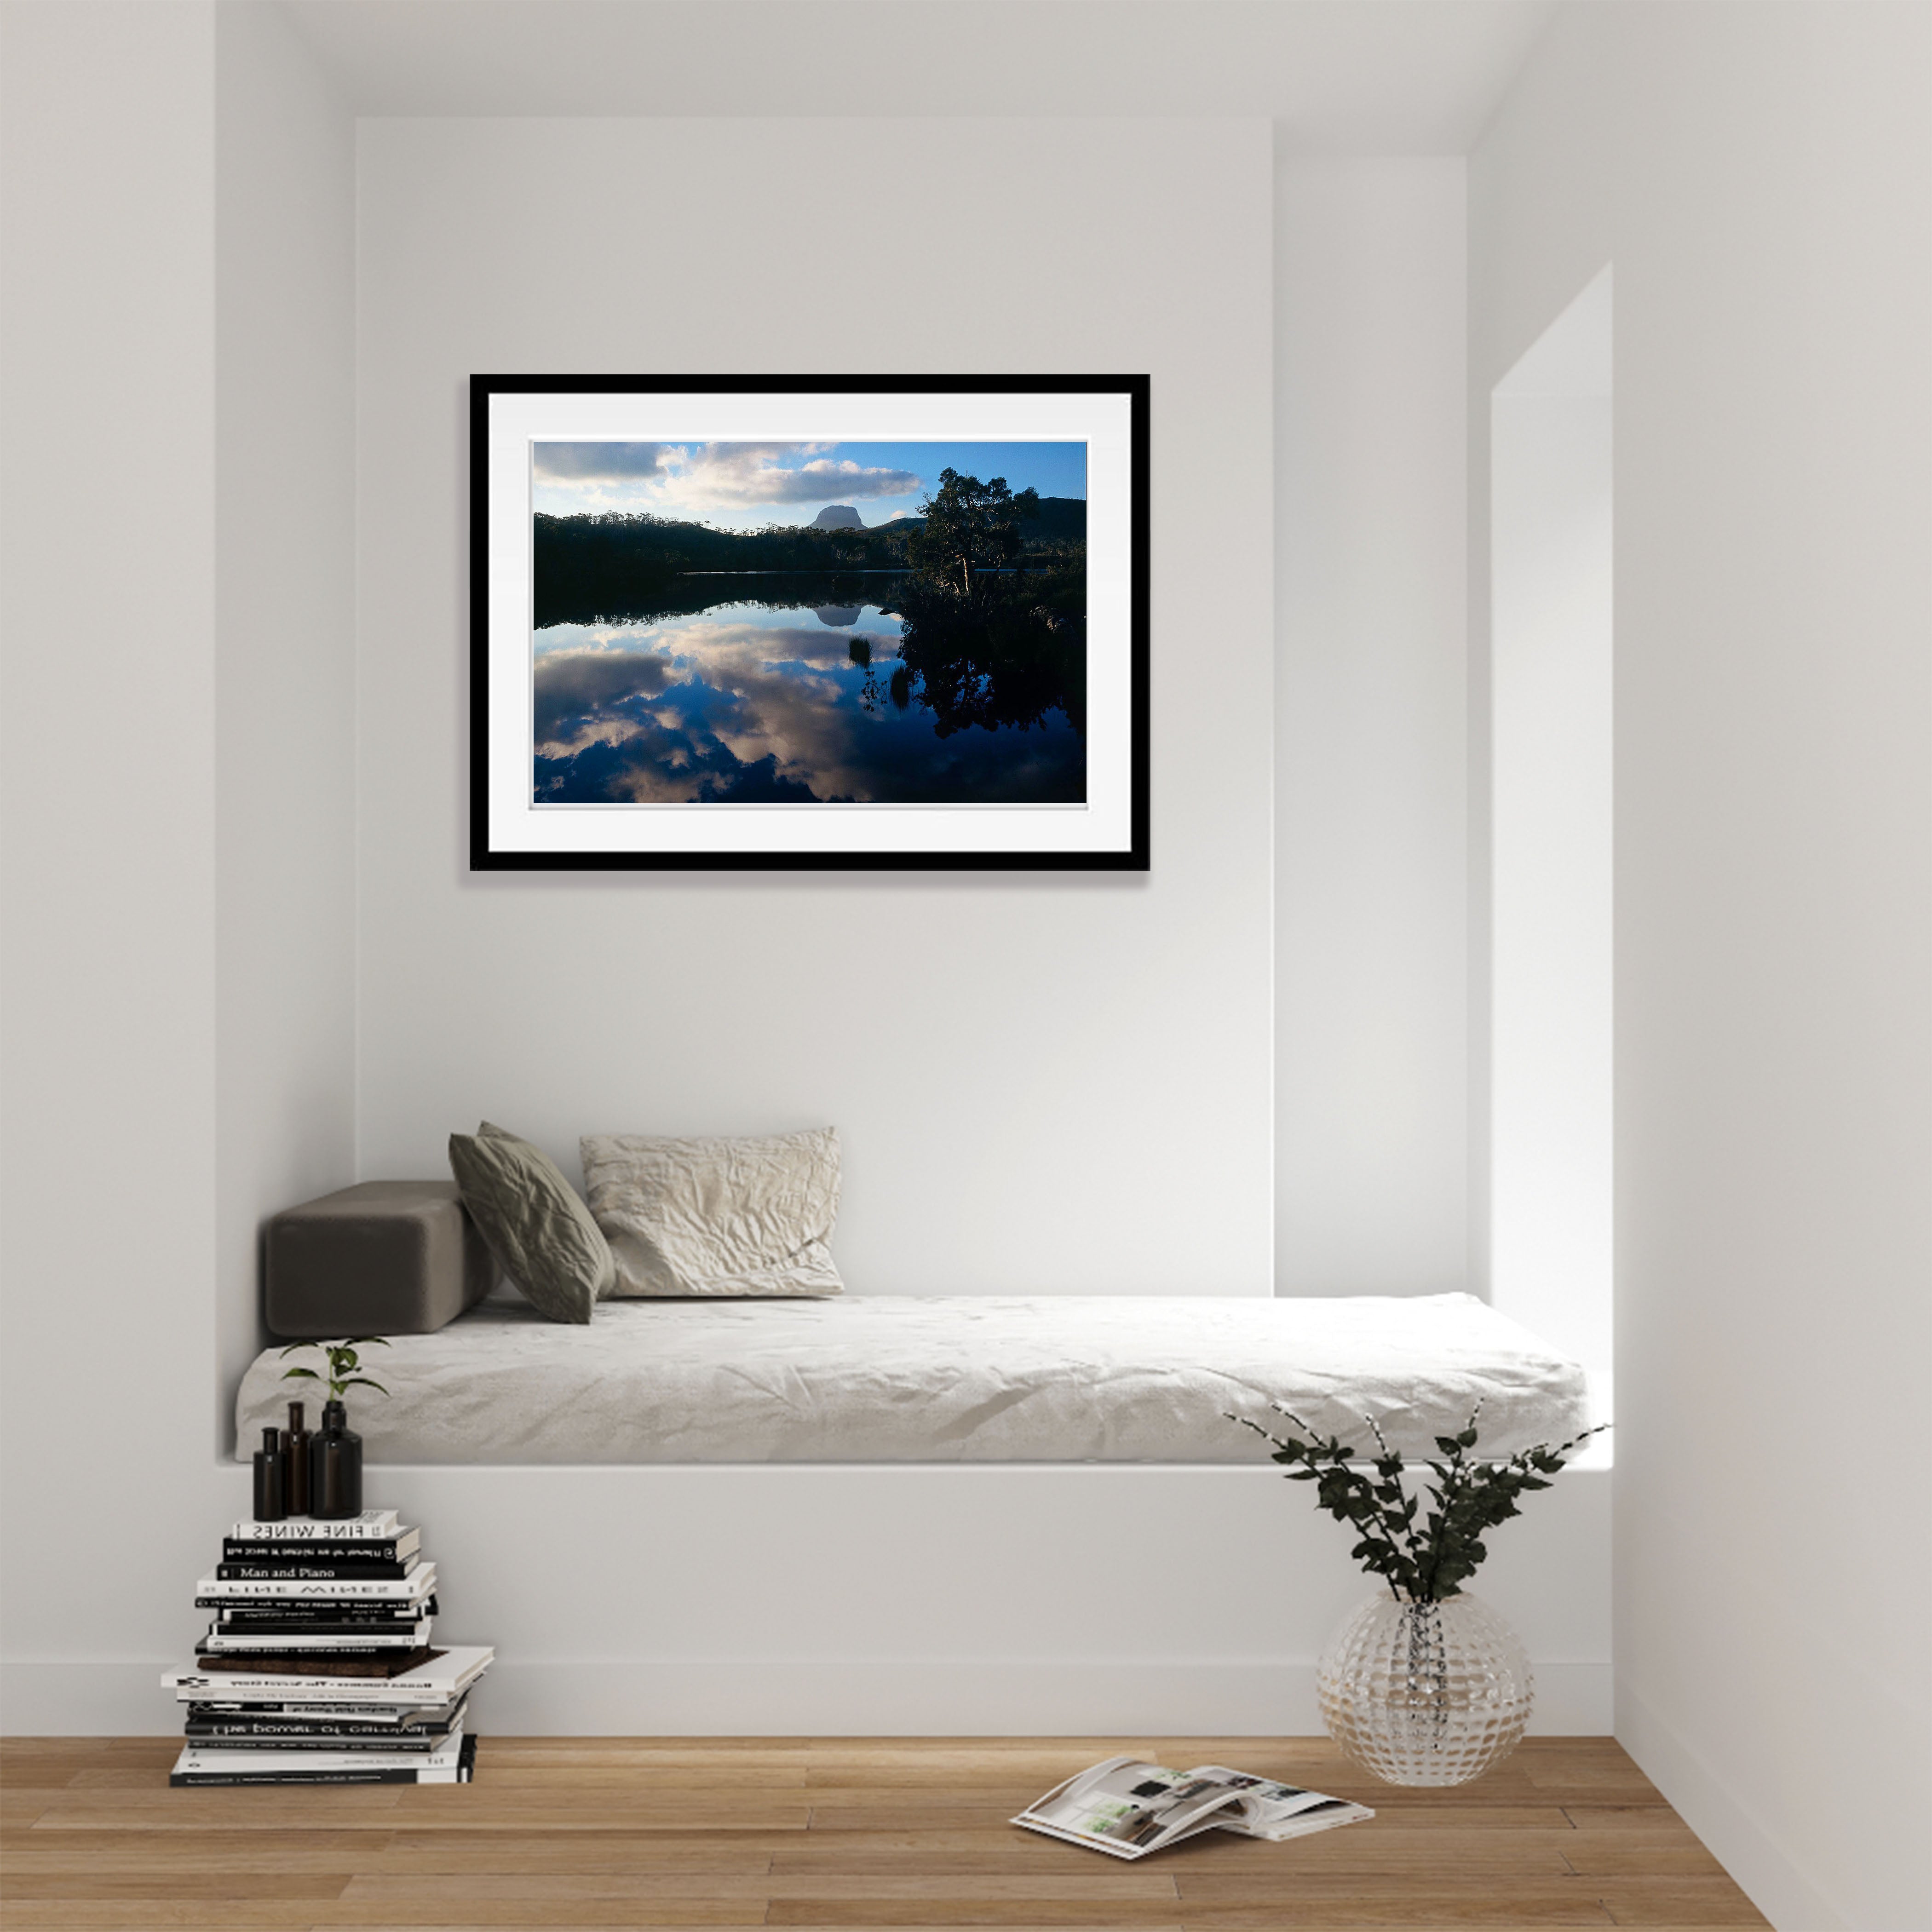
744 704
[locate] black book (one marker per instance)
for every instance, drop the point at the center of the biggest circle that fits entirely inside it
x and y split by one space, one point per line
325 1571
323 1550
259 1664
231 1730
295 1615
320 1738
296 1628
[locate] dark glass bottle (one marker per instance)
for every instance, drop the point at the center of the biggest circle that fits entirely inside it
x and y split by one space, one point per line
295 1439
335 1465
270 1504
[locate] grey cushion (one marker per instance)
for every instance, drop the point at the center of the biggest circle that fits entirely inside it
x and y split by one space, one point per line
536 1225
383 1258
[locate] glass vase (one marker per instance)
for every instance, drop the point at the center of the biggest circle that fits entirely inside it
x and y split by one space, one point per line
1426 1694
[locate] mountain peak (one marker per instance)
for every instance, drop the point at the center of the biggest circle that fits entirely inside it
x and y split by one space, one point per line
837 517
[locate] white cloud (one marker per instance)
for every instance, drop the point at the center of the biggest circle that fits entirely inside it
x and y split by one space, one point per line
576 694
751 473
603 462
670 477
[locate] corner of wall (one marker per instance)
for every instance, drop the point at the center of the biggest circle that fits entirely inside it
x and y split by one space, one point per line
284 651
1371 1060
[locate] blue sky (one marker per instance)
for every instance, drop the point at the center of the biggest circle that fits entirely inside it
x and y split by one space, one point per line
742 486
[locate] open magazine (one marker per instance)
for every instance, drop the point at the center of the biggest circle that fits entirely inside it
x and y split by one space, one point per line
1130 1808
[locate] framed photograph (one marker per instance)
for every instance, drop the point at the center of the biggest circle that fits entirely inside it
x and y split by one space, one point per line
809 622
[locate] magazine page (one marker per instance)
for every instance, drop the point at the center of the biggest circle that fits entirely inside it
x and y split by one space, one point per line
1277 1811
1128 1807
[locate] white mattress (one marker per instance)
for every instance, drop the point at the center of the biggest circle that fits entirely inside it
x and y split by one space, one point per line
892 1378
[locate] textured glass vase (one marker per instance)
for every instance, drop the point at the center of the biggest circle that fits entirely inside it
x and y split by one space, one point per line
1426 1694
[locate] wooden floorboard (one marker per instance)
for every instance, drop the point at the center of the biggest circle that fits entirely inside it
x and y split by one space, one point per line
890 1835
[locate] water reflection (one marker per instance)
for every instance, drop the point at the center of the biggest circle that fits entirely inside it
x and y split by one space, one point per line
769 690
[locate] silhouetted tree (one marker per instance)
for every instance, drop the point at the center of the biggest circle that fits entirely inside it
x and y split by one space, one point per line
969 524
1000 657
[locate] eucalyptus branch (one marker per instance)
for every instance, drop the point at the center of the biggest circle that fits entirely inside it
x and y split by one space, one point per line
1401 1537
1469 1496
1256 1427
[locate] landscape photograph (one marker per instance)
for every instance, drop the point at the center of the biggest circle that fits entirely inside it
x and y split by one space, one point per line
809 623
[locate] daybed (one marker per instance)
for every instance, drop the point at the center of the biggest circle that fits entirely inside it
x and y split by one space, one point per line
891 1378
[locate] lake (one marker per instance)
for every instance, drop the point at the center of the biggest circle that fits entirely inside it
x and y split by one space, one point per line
869 689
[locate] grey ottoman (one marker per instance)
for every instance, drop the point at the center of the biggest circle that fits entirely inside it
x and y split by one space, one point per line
383 1258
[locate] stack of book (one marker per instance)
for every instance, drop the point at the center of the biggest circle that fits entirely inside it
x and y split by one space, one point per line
317 1668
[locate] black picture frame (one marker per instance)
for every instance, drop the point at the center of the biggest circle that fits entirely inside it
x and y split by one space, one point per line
1117 840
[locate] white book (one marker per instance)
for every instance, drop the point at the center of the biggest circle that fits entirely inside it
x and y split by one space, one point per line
440 1680
226 1640
371 1526
419 1582
447 1764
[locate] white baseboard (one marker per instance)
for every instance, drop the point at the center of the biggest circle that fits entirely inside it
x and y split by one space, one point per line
1739 1842
682 1696
957 1697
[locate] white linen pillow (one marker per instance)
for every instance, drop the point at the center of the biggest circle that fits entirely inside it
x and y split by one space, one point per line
717 1216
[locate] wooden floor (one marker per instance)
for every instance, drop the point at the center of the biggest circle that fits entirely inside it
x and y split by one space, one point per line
666 1832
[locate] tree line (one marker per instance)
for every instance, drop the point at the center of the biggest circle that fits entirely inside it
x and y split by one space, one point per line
589 568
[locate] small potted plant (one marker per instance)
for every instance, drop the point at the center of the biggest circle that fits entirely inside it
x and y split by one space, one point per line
1427 1685
344 1365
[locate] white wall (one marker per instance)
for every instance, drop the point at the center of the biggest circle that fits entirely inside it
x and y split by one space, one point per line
178 365
1550 991
1762 179
285 722
1372 1043
107 519
1052 1084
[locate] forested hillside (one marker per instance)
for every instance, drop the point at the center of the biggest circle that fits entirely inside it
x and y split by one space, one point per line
591 566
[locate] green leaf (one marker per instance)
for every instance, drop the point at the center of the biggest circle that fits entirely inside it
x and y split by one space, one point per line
307 1374
363 1381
